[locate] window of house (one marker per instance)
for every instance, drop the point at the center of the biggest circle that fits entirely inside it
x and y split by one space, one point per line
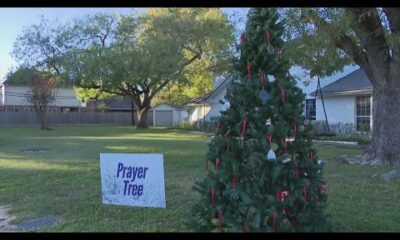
363 113
310 109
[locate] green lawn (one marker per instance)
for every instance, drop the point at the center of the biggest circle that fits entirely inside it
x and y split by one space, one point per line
65 181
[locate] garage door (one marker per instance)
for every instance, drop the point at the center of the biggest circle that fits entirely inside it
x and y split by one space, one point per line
164 118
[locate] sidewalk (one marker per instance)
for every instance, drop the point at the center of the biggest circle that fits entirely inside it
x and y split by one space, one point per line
343 144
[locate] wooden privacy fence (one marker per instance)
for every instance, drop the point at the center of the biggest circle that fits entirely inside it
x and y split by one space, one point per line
67 118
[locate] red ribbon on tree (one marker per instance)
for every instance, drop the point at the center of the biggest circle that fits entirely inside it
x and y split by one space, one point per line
305 196
267 35
248 71
242 39
220 219
270 138
245 228
207 164
280 52
282 93
284 144
262 80
281 196
217 162
312 156
213 194
294 125
273 221
324 189
218 125
296 169
244 124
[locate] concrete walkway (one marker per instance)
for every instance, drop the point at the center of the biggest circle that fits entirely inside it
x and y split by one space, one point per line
342 144
5 219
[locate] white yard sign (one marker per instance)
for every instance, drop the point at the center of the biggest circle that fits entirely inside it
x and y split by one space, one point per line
132 179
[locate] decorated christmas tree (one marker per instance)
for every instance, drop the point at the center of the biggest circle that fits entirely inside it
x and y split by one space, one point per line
262 172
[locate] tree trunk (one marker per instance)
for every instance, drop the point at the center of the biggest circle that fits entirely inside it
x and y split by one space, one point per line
385 145
133 112
141 117
43 120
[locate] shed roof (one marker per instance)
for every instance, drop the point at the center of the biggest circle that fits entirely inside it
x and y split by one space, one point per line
180 107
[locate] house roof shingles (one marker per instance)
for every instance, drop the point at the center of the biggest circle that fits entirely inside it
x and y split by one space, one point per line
355 81
200 99
118 103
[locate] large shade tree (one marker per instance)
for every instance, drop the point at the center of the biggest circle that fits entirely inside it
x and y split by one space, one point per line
130 55
197 81
42 46
326 39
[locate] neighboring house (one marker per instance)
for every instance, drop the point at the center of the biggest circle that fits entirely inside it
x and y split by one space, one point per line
114 104
163 114
347 96
311 111
208 106
168 115
347 100
13 99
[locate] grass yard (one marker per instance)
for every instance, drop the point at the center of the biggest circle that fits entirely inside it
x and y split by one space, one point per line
65 181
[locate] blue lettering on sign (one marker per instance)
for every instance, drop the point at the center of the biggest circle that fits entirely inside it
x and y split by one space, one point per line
130 174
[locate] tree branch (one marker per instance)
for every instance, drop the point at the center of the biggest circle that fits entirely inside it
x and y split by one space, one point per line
198 53
160 87
349 46
393 16
101 89
369 30
133 92
343 42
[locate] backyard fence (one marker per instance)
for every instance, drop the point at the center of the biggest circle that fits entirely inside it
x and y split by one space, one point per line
123 118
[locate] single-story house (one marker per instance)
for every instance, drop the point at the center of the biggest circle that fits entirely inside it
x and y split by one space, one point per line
113 104
347 96
168 115
347 100
13 99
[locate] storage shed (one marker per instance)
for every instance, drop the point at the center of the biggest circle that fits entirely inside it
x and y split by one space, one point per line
168 115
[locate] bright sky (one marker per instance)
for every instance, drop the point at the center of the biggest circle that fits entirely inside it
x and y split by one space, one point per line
12 21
